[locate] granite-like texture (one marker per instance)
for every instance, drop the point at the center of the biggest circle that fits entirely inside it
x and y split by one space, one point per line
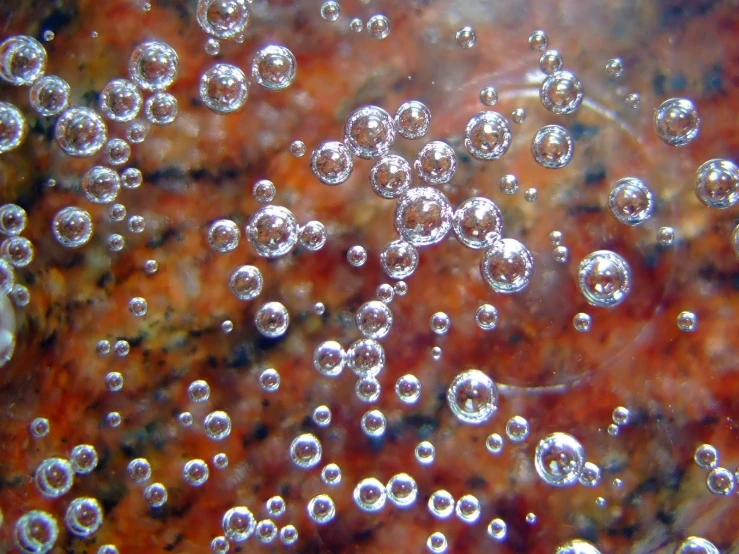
682 388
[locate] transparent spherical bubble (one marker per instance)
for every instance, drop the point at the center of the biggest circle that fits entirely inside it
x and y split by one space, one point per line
517 429
80 132
518 115
185 419
577 546
408 389
538 41
116 242
39 427
13 219
385 293
366 358
466 37
217 425
508 184
717 184
402 490
497 529
269 380
441 504
13 127
436 353
486 317
84 516
721 482
155 495
478 223
489 96
330 10
113 420
468 509
329 358
550 61
199 391
306 451
425 453
494 443
219 545
223 88
313 236
399 259
114 381
212 46
288 535
614 68
472 396
246 282
272 319
706 456
631 201
390 176
153 65
374 319
440 323
151 267
108 549
224 236
582 322
369 132
632 100
35 532
437 542
321 509
101 185
297 148
275 506
620 415
84 458
436 163
7 277
195 472
139 470
487 136
331 475
264 191
378 26
120 100
356 256
370 495
72 227
696 545
412 120
531 194
121 348
356 25
117 151
136 133
331 163
559 459
238 524
604 278
552 147
220 461
102 347
373 423
20 296
676 121
161 108
272 231
322 416
561 93
22 60
223 19
274 67
590 475
686 321
507 266
266 531
49 95
666 236
18 251
423 216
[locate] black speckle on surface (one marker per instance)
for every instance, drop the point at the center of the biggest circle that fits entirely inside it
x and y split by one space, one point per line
48 342
595 174
584 209
241 355
658 83
475 482
261 431
161 240
713 80
678 82
104 280
58 19
580 130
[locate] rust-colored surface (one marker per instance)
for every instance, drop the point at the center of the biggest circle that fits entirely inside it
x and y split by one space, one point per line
682 388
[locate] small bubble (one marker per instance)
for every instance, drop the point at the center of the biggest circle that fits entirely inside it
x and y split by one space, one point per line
113 420
600 502
399 259
365 357
620 415
604 278
272 319
706 456
266 531
269 380
322 416
494 443
120 100
614 68
487 137
139 470
508 184
402 490
246 282
559 459
577 546
531 195
385 293
223 88
666 236
472 396
466 37
507 266
721 481
321 509
212 46
486 317
220 461
425 453
48 35
313 236
238 524
195 472
138 306
686 321
367 389
319 308
437 542
497 529
117 212
401 288
84 516
696 545
356 25
590 475
477 223
161 108
618 483
412 120
676 121
20 296
217 425
274 67
441 504
329 358
717 184
436 353
72 227
517 429
330 10
275 506
49 95
297 148
151 267
560 254
440 323
518 116
582 322
468 509
305 451
223 19
102 347
39 427
423 216
136 133
331 475
369 495
374 423
153 66
633 100
199 391
613 430
390 176
23 60
264 191
631 201
530 518
356 256
550 61
561 92
121 348
489 96
552 147
114 381
219 545
185 419
538 41
331 163
288 535
378 26
408 389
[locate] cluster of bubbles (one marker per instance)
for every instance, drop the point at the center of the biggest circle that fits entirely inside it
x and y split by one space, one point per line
719 481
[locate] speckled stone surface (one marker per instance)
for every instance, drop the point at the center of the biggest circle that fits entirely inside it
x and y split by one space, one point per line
682 389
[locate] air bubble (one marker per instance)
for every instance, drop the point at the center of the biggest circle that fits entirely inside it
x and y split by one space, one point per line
49 95
223 19
559 459
706 456
666 236
35 532
425 453
331 163
590 475
219 545
497 529
390 176
272 319
487 136
321 509
468 509
366 358
582 322
538 41
614 68
408 389
39 427
402 490
217 425
356 256
22 60
272 231
224 236
322 416
552 147
560 254
18 251
696 545
80 132
373 423
550 61
437 542
313 236
161 108
507 266
517 429
369 132
331 475
72 227
329 358
412 120
686 321
330 10
153 66
399 259
436 163
84 516
633 100
378 27
224 88
518 116
561 93
466 37
305 451
238 524
631 201
196 472
275 506
717 184
441 504
274 67
114 381
369 495
676 121
120 100
604 278
576 546
155 495
508 184
472 397
489 96
494 443
423 216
